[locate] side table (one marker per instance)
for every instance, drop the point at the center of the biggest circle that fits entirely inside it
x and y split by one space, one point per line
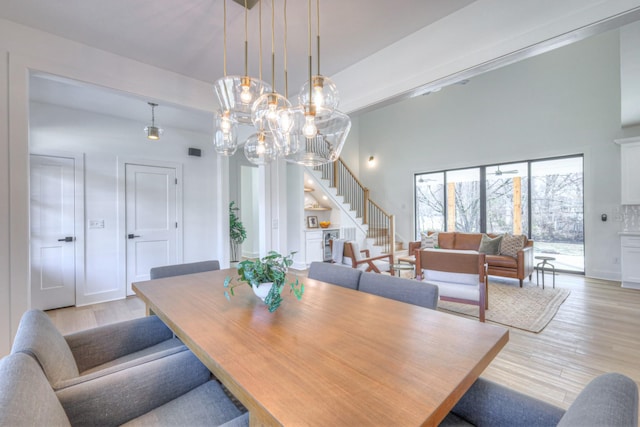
398 268
542 266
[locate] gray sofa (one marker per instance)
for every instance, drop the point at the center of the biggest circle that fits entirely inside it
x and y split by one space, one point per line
396 288
608 400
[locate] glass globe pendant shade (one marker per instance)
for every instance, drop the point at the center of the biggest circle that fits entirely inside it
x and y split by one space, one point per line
266 110
261 148
225 138
322 147
238 93
324 95
283 141
281 130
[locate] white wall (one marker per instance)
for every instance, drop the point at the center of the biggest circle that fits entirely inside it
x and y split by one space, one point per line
5 224
563 102
104 139
25 50
351 150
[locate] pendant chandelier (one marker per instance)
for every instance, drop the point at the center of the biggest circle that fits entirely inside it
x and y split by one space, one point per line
310 133
153 132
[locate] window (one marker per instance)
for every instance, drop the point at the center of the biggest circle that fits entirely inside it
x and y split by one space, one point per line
463 200
542 199
429 189
507 195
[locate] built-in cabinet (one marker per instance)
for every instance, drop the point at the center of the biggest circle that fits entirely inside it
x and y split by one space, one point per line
629 170
314 246
630 250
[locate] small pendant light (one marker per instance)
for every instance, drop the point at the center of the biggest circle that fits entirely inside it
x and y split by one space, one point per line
153 132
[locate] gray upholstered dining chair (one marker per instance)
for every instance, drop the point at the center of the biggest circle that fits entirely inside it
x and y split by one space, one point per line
175 390
181 269
336 274
399 289
85 355
608 400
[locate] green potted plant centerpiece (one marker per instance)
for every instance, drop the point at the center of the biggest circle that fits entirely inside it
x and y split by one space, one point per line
267 277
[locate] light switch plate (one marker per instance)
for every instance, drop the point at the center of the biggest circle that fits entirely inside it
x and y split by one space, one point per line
96 223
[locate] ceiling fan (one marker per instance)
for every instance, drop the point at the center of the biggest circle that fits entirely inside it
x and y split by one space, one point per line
498 172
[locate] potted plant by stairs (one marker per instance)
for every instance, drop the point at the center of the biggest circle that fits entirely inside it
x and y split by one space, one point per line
267 277
237 233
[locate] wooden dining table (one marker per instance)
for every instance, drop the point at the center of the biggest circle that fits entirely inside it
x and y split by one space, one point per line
338 357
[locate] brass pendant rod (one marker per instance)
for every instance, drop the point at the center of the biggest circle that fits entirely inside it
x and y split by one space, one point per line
224 38
318 29
246 40
260 39
286 79
273 46
310 58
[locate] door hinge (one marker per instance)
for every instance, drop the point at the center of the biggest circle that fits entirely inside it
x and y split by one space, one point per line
176 224
176 181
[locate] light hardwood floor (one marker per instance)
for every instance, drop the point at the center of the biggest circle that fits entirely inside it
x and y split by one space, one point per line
596 330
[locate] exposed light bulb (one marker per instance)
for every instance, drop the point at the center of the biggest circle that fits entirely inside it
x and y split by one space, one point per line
284 121
245 95
225 123
272 112
318 97
309 129
260 149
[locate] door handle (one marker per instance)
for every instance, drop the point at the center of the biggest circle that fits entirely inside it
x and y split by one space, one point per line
66 239
132 236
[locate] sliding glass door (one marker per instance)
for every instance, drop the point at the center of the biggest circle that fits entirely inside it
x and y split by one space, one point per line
557 211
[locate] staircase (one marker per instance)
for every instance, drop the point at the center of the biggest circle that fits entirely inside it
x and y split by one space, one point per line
380 224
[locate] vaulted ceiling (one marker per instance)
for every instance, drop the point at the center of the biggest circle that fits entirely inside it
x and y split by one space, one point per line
187 36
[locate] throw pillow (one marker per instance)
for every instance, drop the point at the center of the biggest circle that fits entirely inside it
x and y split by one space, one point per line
490 246
511 245
427 241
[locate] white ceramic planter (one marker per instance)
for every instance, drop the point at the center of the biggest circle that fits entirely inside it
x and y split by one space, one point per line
262 290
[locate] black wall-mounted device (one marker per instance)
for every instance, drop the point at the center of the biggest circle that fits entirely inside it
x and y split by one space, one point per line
195 152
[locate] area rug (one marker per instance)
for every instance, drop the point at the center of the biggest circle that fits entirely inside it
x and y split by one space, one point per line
529 308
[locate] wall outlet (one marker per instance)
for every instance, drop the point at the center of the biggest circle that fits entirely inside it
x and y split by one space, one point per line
274 224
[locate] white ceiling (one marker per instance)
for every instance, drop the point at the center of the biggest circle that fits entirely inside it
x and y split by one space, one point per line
186 37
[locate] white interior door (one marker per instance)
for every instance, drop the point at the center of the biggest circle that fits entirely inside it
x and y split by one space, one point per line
53 241
151 219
